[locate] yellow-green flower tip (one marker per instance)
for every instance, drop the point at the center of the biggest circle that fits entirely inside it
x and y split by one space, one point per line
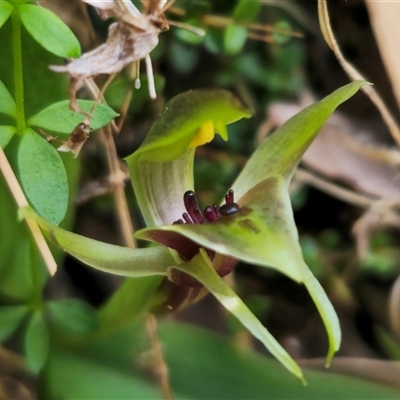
204 135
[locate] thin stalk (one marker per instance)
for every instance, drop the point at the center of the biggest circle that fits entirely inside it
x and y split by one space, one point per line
160 366
18 71
21 201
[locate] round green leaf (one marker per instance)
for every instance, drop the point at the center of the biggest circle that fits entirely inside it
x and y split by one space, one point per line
73 315
37 342
59 118
10 318
7 103
247 11
6 133
234 39
42 175
5 11
49 31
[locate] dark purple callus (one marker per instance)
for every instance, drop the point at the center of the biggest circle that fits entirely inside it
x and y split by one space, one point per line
194 215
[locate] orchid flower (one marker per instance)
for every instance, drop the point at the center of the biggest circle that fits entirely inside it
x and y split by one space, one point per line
197 247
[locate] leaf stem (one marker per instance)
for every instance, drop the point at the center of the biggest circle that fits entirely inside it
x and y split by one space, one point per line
18 70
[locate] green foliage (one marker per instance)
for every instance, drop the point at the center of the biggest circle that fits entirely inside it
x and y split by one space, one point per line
42 175
59 118
10 319
37 342
42 24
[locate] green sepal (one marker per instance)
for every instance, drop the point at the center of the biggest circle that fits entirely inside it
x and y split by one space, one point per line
103 256
325 309
262 232
162 168
280 152
183 116
200 267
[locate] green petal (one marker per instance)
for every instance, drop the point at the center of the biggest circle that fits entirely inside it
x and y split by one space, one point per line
201 268
281 151
262 232
162 168
103 256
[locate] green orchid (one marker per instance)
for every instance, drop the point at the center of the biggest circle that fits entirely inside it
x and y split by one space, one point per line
196 248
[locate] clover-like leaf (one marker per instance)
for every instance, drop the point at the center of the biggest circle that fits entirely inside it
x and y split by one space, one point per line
7 103
73 316
6 134
59 118
37 342
49 30
10 318
281 151
103 256
200 267
162 168
42 175
6 9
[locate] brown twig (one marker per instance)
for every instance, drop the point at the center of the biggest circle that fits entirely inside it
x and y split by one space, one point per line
21 201
160 368
334 190
370 91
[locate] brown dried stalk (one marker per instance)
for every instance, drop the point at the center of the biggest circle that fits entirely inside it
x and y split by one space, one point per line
21 201
329 37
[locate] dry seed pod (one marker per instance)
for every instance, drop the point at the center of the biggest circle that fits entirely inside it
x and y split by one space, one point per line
77 139
129 40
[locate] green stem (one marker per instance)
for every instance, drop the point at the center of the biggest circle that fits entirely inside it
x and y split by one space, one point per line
18 73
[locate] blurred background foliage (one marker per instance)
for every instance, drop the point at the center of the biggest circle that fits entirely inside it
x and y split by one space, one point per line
267 52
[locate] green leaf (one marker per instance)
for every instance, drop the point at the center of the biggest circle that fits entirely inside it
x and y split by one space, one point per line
103 256
10 319
190 353
235 37
162 168
74 374
200 267
281 151
130 302
247 11
7 103
37 342
49 31
6 134
41 174
5 11
262 232
72 316
22 270
59 118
